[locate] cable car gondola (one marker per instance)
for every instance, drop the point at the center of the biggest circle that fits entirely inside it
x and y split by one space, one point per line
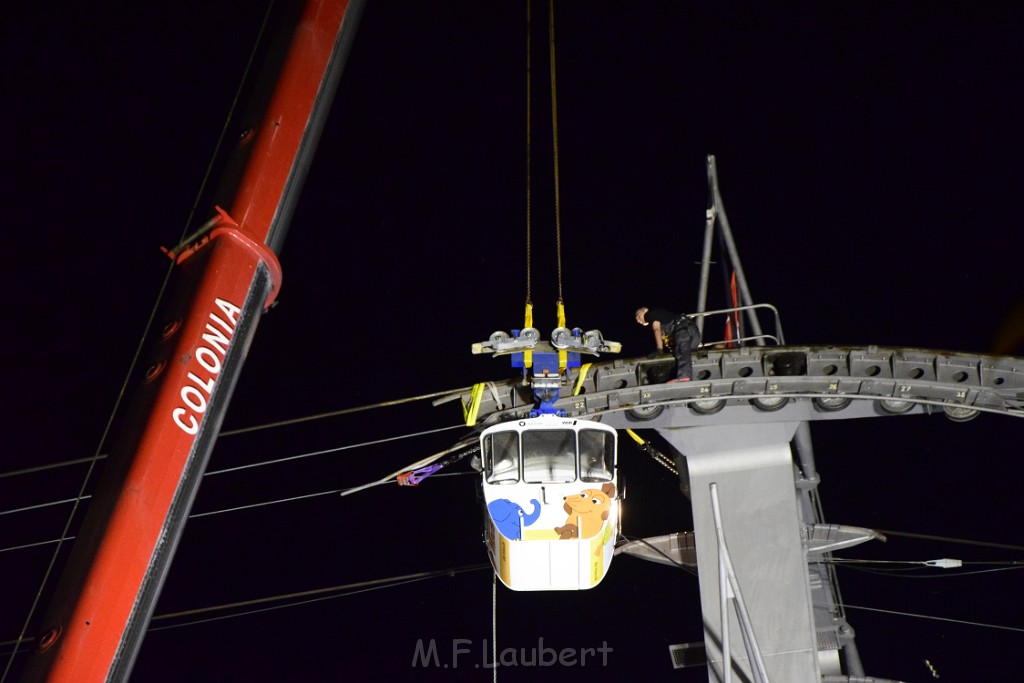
551 497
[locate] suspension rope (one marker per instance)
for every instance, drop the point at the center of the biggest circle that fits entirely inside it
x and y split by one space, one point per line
415 466
379 584
529 180
306 497
52 466
38 506
25 546
529 176
925 616
253 428
135 359
65 537
333 450
83 487
554 145
250 506
294 599
948 539
905 572
494 625
344 411
300 456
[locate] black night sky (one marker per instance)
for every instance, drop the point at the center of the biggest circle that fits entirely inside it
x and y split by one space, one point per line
870 159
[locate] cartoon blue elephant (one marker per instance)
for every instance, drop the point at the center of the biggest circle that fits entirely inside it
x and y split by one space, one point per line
506 516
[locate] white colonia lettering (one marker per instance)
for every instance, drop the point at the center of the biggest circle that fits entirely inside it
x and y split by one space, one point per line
210 357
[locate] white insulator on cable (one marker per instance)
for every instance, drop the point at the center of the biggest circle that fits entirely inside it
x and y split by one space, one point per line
945 563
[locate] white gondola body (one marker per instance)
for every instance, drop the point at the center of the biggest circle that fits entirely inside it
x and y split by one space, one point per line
551 501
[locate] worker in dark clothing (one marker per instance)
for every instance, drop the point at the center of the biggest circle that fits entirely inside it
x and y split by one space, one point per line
677 331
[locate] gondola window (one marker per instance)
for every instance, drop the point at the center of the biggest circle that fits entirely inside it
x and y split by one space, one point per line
597 455
501 457
549 456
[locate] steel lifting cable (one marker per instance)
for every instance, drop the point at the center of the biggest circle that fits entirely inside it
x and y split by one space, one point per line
529 205
554 145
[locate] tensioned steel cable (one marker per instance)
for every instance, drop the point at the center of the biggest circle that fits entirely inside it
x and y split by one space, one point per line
554 145
1013 564
909 614
947 539
529 253
494 625
135 359
138 349
351 589
378 584
39 506
294 599
264 503
65 537
250 506
253 428
333 450
344 411
914 572
300 456
86 478
934 618
307 496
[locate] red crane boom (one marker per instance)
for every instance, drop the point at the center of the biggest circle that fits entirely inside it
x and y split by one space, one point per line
204 324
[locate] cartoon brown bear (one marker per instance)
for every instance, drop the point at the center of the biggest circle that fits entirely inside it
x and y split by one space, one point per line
587 512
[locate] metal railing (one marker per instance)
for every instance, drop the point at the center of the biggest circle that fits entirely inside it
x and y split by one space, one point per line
759 339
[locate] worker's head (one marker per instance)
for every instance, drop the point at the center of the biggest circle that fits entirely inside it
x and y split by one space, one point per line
641 315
